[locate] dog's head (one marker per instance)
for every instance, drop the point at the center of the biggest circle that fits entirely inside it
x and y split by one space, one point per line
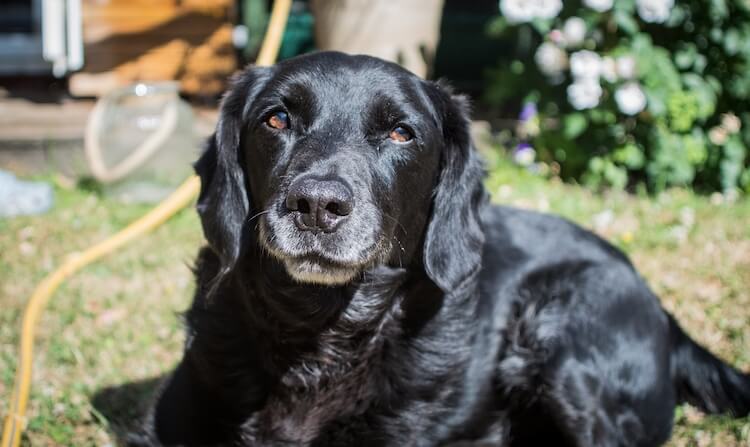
334 164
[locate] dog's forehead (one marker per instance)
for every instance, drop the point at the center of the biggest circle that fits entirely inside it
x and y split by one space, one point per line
337 66
338 80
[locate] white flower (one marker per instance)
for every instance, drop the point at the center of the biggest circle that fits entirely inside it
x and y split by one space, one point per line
603 220
574 31
654 11
551 59
546 9
626 68
599 5
718 135
520 11
609 69
731 122
585 64
517 11
584 93
630 98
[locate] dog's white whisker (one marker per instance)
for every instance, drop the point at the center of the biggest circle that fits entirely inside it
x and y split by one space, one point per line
397 223
258 215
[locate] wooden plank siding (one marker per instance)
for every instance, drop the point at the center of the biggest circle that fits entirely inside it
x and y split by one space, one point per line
153 40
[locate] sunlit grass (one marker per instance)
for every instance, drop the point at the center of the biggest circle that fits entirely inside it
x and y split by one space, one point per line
118 321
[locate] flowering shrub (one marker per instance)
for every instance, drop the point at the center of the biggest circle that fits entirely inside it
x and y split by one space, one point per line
627 92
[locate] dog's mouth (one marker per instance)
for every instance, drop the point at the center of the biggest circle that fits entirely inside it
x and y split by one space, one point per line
321 259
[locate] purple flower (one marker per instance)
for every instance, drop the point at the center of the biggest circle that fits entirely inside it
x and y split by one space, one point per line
528 112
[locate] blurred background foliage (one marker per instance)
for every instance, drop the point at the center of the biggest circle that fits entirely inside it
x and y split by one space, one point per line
629 94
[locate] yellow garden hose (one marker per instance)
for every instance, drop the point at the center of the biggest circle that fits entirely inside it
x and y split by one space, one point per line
15 421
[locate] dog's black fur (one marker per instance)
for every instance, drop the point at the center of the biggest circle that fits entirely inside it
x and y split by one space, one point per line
462 324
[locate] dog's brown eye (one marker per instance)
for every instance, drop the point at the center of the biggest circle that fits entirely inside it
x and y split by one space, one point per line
400 134
279 120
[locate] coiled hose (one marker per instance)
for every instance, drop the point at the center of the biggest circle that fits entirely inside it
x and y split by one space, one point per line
15 420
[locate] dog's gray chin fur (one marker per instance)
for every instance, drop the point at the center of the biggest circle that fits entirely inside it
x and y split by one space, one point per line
309 271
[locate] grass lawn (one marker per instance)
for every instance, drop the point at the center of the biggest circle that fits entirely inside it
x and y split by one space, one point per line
117 322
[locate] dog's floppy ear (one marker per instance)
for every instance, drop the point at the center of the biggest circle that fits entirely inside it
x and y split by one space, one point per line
224 202
454 240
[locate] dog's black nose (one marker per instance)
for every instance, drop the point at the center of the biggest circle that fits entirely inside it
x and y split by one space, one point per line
321 204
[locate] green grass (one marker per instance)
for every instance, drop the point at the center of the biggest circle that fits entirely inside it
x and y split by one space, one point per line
118 321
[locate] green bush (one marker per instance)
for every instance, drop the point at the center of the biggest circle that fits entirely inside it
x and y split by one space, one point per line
629 92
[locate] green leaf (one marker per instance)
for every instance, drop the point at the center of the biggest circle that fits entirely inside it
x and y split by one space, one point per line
685 57
669 164
596 164
656 102
700 63
626 22
695 147
678 16
732 165
542 26
703 92
624 6
574 125
615 175
732 42
716 34
630 155
719 10
735 150
714 83
745 180
497 26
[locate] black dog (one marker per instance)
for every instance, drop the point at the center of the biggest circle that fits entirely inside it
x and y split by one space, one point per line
358 290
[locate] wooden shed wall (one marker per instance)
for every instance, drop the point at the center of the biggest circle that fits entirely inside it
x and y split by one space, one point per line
149 40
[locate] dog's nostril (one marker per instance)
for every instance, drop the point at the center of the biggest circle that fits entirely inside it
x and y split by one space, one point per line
302 206
333 207
339 208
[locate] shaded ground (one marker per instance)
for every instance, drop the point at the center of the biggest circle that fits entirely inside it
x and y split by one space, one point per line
118 321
